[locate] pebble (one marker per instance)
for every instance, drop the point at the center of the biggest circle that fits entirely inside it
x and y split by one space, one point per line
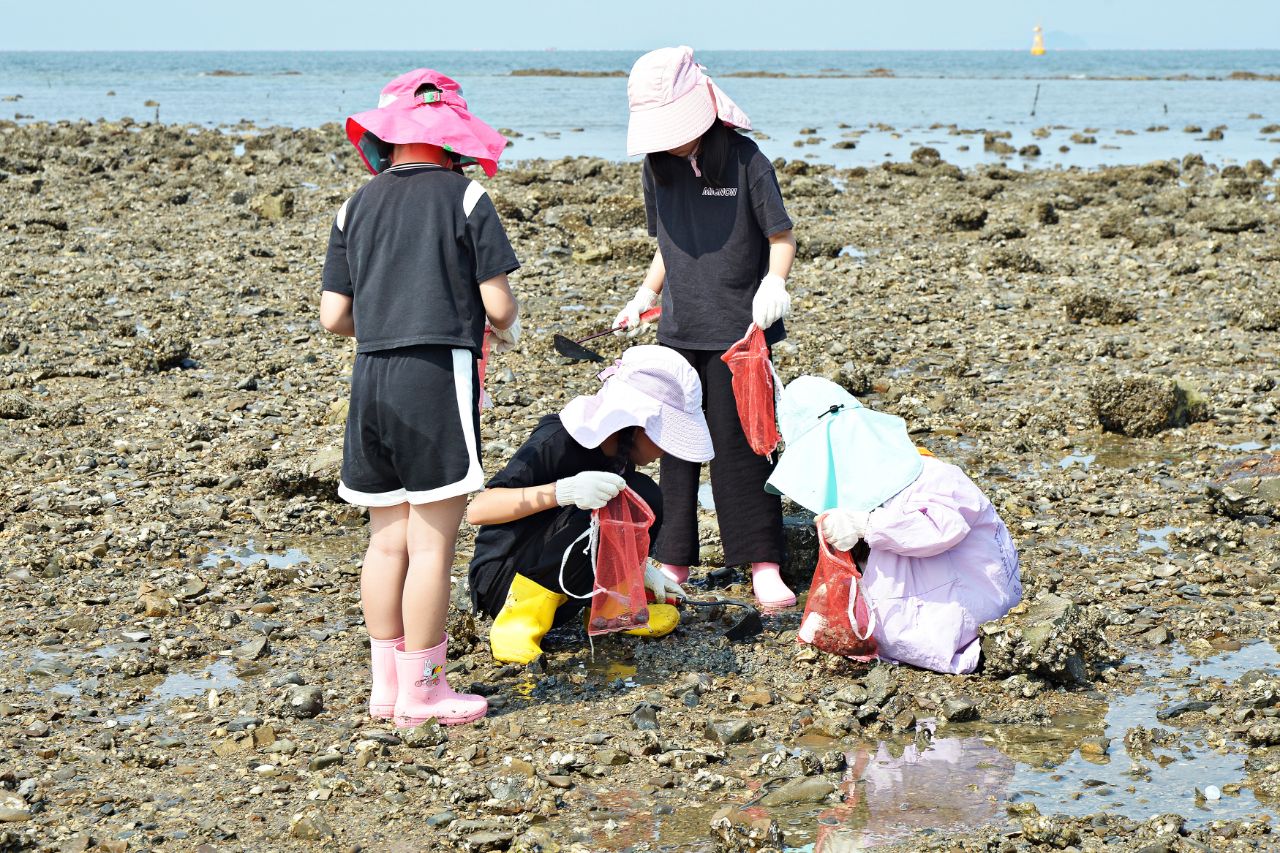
730 731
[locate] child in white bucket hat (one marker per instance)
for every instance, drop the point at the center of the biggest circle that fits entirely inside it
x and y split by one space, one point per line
725 249
524 572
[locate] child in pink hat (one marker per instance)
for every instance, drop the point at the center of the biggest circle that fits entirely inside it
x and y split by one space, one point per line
725 248
526 572
417 264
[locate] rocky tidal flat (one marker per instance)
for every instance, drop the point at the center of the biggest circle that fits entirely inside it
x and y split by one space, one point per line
181 640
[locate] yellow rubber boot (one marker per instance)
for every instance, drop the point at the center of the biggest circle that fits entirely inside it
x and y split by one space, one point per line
663 619
525 618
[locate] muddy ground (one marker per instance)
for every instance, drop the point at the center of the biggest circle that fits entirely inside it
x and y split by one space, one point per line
182 645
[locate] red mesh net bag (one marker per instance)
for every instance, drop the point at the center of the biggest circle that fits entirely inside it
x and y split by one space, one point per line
754 390
620 553
837 617
484 402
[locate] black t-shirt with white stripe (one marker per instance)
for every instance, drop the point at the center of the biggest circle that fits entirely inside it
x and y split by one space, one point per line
411 248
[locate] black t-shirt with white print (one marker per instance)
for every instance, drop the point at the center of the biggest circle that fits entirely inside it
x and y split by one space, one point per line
715 246
411 248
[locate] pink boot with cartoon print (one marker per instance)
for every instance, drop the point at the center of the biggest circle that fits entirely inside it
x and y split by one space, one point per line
424 692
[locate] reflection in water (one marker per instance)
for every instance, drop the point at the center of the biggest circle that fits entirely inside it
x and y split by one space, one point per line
949 784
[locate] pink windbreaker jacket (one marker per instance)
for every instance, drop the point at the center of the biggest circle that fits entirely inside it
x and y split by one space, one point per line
941 564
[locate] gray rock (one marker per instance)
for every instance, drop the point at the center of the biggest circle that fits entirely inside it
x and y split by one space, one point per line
1051 637
1177 709
1054 831
736 830
320 762
881 684
239 724
429 733
303 701
252 649
801 550
968 216
959 709
310 827
730 731
807 790
1144 405
482 842
1247 487
1098 305
645 718
274 205
1266 733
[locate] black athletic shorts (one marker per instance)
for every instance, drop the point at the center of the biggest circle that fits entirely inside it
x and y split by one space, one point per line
413 427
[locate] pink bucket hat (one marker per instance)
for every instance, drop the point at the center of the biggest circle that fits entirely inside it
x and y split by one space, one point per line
673 102
438 118
651 387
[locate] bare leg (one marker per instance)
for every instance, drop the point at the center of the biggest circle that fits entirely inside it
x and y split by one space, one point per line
382 577
432 535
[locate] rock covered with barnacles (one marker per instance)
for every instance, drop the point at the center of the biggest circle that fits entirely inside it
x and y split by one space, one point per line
1051 637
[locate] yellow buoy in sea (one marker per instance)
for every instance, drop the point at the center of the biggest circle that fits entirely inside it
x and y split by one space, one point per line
1037 43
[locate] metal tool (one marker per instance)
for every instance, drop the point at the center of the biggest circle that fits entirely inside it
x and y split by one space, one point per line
575 349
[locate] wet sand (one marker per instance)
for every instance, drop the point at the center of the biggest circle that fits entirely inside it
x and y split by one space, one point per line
181 628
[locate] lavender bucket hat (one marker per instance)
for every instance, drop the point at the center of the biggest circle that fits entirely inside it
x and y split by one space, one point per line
673 102
651 387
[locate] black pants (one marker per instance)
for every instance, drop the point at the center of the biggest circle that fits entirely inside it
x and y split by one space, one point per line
538 557
750 519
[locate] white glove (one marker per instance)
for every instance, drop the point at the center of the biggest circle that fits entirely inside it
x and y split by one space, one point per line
771 302
844 527
628 320
506 339
660 585
589 490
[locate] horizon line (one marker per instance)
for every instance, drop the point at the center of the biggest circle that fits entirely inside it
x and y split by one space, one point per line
632 50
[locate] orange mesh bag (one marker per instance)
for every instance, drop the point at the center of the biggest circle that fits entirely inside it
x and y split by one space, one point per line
754 389
837 618
619 548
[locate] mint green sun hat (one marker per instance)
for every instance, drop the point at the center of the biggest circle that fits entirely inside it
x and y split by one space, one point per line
838 452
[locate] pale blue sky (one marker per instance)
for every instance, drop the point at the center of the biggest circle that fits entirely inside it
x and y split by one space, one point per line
608 25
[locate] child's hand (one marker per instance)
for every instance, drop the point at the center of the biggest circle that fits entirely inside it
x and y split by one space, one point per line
589 490
628 320
662 587
506 339
771 302
844 527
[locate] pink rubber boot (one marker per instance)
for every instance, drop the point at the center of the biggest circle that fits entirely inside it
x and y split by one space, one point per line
679 574
382 666
424 691
771 592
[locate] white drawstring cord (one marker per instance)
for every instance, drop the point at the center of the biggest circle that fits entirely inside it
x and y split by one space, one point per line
854 592
592 535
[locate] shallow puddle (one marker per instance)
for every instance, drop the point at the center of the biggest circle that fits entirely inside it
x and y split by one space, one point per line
247 555
1084 460
971 774
1157 538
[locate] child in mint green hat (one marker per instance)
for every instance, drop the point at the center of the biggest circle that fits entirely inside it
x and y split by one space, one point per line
941 561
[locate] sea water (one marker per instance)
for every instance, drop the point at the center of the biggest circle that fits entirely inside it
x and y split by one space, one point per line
1114 96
